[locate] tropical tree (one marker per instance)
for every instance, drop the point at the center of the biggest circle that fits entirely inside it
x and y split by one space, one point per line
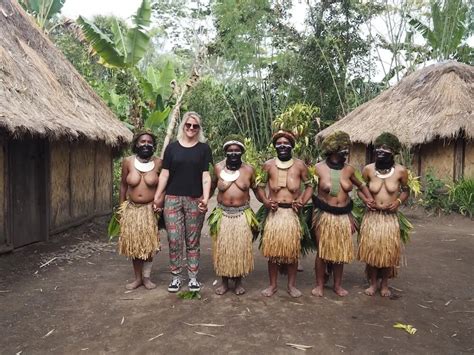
450 24
44 11
122 49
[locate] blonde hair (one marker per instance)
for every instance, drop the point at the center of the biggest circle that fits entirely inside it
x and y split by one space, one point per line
197 117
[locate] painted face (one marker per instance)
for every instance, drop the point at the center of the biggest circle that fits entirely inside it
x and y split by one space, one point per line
283 148
145 148
192 127
343 154
337 159
383 158
234 157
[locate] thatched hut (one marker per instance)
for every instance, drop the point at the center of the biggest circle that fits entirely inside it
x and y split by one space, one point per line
57 137
431 111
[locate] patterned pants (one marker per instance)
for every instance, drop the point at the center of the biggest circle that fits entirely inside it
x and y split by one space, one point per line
183 224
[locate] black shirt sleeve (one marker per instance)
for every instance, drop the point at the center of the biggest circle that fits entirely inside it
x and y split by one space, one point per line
167 158
207 158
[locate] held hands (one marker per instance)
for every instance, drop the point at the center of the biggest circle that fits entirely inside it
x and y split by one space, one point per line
270 204
158 204
370 203
203 205
394 205
297 205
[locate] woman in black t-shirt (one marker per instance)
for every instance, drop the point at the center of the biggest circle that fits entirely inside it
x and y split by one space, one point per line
183 190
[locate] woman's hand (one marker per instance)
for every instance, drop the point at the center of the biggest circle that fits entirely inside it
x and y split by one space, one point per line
158 204
203 205
297 205
270 204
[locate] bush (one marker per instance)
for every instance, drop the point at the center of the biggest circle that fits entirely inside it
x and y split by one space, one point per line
461 197
435 195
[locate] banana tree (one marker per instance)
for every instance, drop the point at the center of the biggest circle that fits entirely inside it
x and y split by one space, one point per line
127 46
43 11
123 50
449 28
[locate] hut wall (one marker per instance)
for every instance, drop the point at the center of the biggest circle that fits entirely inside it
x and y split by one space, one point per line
3 196
82 175
438 157
60 211
103 178
469 160
357 156
81 182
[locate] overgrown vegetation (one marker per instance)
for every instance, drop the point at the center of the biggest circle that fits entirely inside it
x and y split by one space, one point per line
248 67
441 197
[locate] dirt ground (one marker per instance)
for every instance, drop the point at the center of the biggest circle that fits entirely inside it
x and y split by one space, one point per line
77 304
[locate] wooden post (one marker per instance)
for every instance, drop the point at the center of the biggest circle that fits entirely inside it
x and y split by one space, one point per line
459 153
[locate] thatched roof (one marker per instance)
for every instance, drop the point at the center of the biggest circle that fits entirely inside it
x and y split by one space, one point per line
433 102
40 91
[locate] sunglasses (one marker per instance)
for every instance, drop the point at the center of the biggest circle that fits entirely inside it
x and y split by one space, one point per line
192 125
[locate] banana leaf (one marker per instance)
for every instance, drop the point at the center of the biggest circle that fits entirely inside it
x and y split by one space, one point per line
113 229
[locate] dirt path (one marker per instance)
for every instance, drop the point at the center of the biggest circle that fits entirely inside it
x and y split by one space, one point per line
77 303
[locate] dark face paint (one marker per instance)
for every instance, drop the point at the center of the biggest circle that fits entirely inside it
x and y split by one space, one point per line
233 160
283 151
336 160
383 159
145 151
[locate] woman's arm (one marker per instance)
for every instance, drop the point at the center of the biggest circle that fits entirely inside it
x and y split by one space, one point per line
206 191
158 201
123 181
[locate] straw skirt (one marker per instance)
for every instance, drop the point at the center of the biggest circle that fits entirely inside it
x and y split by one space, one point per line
139 238
380 244
281 241
232 248
335 237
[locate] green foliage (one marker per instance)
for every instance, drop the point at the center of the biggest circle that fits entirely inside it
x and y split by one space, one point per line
43 10
303 121
209 99
189 295
123 50
113 228
461 197
435 195
450 24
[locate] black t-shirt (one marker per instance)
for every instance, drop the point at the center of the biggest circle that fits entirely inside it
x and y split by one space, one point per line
186 166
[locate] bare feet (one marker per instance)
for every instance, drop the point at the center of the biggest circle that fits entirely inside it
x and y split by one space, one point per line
371 290
133 285
294 292
268 292
222 289
317 291
385 291
340 291
238 289
148 284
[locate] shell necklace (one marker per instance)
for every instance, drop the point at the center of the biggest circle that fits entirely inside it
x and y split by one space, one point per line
144 167
386 173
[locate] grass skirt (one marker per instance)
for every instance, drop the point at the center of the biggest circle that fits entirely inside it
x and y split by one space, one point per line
232 247
281 240
139 238
380 244
335 237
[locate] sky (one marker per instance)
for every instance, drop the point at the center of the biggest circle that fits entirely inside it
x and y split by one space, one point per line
88 8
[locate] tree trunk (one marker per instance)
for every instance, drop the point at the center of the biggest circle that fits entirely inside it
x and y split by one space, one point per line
175 113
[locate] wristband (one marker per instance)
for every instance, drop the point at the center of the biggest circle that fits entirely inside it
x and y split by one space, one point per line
399 201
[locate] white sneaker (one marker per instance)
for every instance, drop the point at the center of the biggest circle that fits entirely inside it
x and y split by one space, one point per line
175 284
194 285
